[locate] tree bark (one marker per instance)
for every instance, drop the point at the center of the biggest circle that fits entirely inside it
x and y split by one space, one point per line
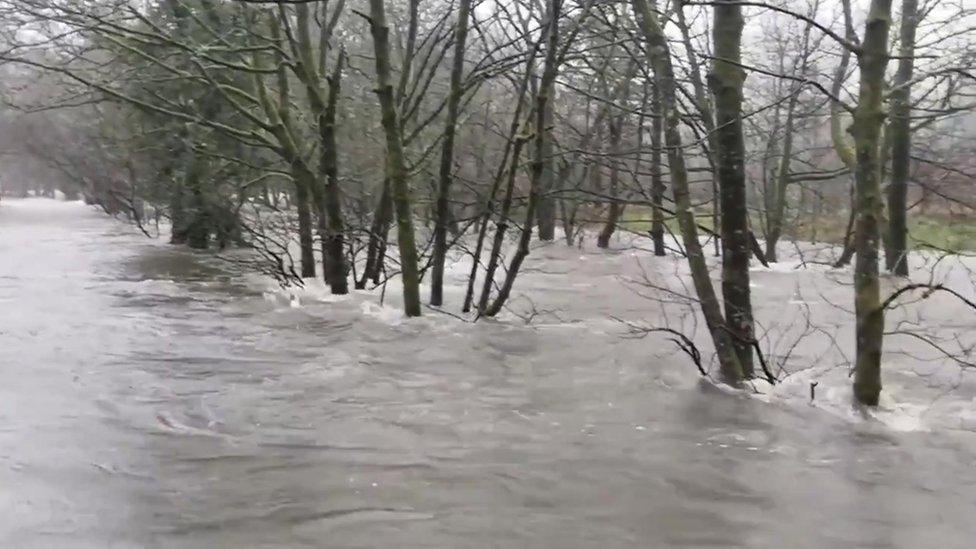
494 256
305 240
868 121
900 132
510 143
396 165
378 231
615 126
705 111
443 213
658 52
547 206
616 208
657 180
324 106
726 81
335 244
546 87
841 147
776 204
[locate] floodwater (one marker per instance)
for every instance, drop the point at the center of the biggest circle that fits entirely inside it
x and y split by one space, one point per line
152 398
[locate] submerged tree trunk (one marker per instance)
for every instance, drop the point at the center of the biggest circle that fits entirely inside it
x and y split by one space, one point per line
495 255
177 214
659 56
616 207
335 243
726 80
541 137
303 203
324 104
776 194
657 180
900 132
868 121
443 213
615 127
396 163
510 145
547 206
378 231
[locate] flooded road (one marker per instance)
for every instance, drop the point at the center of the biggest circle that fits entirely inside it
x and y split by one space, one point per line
150 398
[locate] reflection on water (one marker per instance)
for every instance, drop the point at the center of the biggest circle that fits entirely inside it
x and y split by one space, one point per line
150 398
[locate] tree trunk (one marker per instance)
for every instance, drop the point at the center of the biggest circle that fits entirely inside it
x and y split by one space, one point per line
378 231
776 204
494 256
303 203
776 194
658 52
726 80
324 104
443 213
541 128
177 214
616 208
657 180
704 108
868 120
615 127
335 242
396 164
547 206
546 215
841 147
900 132
510 143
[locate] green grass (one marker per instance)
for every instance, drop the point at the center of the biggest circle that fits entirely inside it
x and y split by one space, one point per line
947 234
957 234
638 219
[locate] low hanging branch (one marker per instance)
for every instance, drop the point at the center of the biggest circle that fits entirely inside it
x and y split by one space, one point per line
930 289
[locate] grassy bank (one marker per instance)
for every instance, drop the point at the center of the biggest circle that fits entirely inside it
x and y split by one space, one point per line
942 232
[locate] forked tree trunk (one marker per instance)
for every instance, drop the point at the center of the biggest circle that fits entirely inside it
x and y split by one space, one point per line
705 111
496 183
378 231
658 52
306 188
495 255
615 126
546 87
324 106
396 163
